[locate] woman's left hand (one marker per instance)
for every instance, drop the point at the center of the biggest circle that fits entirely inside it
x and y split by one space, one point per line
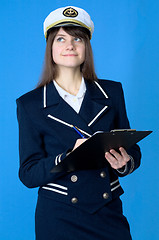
117 160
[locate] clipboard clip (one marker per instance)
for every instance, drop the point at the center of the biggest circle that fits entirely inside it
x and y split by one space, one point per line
123 130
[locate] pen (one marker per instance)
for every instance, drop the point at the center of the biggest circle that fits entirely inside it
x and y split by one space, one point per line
78 131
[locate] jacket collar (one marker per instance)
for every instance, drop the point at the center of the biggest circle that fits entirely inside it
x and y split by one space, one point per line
94 104
51 96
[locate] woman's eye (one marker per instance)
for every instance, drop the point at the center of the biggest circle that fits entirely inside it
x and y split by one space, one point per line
77 39
60 39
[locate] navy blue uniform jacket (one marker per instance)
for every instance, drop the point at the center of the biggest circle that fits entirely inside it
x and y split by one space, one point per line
46 136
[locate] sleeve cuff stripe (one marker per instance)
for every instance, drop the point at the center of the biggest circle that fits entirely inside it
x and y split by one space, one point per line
132 165
58 159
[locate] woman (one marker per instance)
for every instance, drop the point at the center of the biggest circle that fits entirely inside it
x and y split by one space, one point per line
81 204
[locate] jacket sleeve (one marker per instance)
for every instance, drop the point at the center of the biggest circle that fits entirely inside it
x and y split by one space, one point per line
123 123
35 165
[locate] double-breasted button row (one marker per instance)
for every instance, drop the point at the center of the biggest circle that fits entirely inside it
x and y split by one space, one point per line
74 179
74 200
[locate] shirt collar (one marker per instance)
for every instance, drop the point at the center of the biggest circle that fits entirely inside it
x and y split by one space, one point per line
64 93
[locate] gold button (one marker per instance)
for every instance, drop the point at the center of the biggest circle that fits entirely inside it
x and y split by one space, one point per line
74 178
105 195
103 174
74 200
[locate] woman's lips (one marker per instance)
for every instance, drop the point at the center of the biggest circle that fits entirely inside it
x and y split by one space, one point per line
69 55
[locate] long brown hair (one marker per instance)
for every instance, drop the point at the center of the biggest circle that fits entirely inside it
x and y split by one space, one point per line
87 67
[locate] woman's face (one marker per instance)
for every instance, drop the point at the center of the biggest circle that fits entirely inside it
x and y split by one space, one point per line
68 51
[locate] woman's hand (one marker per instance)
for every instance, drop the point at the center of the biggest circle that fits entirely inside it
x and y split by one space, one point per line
117 160
79 142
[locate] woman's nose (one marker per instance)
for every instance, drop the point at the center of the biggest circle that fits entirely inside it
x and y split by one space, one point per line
70 45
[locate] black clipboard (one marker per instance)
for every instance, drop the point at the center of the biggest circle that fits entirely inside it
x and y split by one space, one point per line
90 154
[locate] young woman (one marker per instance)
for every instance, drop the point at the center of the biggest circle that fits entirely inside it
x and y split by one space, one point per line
81 204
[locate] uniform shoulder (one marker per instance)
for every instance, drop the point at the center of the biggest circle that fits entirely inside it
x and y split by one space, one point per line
31 97
110 85
106 82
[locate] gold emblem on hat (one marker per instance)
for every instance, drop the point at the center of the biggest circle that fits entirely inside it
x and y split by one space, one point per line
70 12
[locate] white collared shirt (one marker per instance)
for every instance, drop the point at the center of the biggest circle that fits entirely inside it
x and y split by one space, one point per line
74 101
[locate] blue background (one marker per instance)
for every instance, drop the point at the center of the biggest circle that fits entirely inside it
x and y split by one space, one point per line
125 45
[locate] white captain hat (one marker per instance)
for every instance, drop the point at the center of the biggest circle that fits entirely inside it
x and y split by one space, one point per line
68 16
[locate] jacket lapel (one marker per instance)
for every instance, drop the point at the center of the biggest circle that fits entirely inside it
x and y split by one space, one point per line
94 105
58 110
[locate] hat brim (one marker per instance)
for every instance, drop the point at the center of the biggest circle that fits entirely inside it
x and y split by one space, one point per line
67 23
